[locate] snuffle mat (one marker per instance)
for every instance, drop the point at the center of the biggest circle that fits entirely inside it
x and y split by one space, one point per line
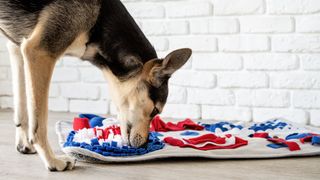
95 139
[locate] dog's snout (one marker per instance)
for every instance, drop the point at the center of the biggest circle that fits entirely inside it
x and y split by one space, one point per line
136 132
137 140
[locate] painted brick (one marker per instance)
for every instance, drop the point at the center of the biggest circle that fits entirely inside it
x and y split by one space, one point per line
214 26
308 24
79 91
88 106
310 61
4 58
238 7
54 90
306 99
296 43
159 43
3 73
266 24
315 117
226 113
293 6
270 62
295 80
188 9
177 95
91 75
3 45
214 61
211 97
6 102
145 10
263 98
65 75
181 111
165 27
244 43
105 93
243 80
199 43
5 88
193 79
58 104
74 62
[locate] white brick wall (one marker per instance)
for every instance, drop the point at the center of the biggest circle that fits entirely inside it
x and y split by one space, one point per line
253 60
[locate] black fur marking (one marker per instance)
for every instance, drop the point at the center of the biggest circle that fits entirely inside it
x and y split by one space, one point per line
119 37
30 6
68 164
159 94
19 17
122 46
154 112
18 125
24 150
129 127
52 169
35 128
11 39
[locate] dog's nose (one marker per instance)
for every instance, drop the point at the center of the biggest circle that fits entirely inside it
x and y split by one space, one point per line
137 140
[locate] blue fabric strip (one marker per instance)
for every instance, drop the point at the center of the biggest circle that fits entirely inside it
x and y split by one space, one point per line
315 140
189 133
224 126
277 146
94 120
269 125
89 116
297 136
108 149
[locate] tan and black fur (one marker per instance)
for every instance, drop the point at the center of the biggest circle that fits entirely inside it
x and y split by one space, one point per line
99 31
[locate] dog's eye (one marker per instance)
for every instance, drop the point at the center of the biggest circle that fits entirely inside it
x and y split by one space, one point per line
154 112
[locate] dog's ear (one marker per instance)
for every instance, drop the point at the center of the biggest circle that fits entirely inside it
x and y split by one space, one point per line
170 64
175 60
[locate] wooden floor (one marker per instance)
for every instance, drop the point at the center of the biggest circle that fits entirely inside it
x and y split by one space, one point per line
16 166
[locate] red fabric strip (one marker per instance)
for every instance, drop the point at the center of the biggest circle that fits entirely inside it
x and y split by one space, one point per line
206 138
260 135
293 146
80 123
177 142
158 125
308 138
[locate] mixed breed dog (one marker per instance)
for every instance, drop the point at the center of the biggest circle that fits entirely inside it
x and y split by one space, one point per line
103 33
99 31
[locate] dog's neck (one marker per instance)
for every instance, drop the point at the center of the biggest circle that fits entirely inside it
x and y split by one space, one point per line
120 44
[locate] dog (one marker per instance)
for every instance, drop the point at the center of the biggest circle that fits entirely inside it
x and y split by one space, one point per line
99 31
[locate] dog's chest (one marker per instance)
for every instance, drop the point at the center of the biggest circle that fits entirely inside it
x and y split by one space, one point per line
78 47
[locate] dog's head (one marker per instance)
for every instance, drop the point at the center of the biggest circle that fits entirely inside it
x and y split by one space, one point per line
142 97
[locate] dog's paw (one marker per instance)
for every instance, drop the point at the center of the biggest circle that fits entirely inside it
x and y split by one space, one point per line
22 144
62 163
26 149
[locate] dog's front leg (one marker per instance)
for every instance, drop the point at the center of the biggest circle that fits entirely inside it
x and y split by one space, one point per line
39 65
125 127
20 104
